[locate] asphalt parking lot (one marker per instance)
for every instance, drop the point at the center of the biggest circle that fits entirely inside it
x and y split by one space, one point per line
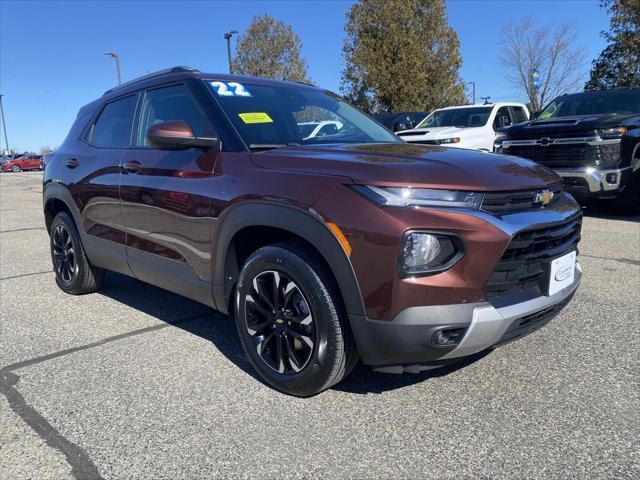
135 382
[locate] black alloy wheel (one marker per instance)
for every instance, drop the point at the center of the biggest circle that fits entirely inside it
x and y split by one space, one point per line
64 255
279 322
74 273
291 322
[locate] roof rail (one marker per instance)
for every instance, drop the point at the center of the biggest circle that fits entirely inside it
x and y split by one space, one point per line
159 73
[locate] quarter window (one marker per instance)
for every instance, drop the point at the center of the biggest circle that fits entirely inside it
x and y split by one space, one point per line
113 127
519 115
171 103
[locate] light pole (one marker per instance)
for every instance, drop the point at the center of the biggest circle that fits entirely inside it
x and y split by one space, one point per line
473 84
4 127
227 37
117 59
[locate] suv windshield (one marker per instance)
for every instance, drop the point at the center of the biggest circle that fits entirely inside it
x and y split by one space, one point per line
457 117
594 103
267 115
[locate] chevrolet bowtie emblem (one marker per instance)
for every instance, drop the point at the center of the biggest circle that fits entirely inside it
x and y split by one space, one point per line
544 197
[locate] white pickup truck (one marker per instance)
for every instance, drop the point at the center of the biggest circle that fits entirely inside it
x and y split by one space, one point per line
466 126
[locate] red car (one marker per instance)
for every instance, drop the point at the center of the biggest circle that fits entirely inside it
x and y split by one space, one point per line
25 162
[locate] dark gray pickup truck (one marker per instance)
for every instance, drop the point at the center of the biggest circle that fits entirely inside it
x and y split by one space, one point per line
591 139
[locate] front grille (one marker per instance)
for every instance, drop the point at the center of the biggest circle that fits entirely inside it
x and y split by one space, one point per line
567 156
520 200
524 263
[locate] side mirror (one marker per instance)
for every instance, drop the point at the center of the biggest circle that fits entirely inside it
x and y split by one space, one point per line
534 115
177 134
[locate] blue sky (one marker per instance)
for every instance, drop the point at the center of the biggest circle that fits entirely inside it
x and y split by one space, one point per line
52 62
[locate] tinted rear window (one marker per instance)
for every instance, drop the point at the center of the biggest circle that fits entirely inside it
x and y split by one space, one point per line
113 127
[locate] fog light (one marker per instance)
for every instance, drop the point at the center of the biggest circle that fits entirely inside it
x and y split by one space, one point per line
441 338
447 337
426 252
612 178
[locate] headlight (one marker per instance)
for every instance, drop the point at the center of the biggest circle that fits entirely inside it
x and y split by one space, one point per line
443 141
615 132
422 253
420 197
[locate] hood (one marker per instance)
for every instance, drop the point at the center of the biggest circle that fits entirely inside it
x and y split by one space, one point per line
565 125
435 133
404 164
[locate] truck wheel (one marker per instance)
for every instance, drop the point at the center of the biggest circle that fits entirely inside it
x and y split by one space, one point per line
290 321
74 273
15 168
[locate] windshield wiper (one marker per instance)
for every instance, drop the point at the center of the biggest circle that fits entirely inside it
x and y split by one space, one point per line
271 146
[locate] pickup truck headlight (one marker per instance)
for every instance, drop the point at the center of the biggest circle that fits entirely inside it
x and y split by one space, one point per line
444 141
615 132
424 253
420 197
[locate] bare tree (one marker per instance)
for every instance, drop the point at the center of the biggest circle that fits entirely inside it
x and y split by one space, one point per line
547 50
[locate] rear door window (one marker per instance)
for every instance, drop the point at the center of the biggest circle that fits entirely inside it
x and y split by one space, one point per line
113 127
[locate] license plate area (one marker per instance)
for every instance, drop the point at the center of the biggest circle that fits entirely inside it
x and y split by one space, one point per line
561 272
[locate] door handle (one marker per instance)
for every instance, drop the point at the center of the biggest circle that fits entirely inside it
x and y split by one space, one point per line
72 163
132 167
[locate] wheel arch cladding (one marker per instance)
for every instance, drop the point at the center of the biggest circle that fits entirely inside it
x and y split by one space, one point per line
263 223
56 199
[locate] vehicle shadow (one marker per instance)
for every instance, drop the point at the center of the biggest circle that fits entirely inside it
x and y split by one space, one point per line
179 312
364 380
606 211
220 330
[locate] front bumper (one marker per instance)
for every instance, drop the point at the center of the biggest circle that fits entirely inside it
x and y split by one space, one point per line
589 181
406 343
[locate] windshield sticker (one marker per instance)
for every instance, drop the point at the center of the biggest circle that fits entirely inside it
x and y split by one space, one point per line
255 117
230 89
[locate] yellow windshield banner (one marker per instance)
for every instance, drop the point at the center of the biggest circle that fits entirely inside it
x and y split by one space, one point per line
255 117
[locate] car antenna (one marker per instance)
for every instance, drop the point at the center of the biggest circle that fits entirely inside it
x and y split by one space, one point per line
486 100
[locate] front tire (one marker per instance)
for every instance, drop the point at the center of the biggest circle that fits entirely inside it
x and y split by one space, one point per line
74 273
290 321
15 168
628 203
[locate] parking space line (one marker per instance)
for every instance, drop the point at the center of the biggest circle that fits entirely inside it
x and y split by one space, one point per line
621 260
81 465
61 353
25 275
22 229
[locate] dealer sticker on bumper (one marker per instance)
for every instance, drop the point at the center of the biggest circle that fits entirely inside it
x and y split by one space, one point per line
562 272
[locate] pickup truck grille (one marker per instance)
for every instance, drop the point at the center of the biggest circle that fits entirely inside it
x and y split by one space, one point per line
567 156
522 265
516 201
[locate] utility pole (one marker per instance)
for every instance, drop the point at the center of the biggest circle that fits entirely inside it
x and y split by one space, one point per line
117 59
227 37
4 127
473 84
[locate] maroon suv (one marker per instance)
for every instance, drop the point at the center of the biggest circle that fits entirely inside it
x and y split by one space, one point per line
328 249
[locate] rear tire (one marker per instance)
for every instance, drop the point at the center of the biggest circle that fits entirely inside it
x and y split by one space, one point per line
298 340
74 272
